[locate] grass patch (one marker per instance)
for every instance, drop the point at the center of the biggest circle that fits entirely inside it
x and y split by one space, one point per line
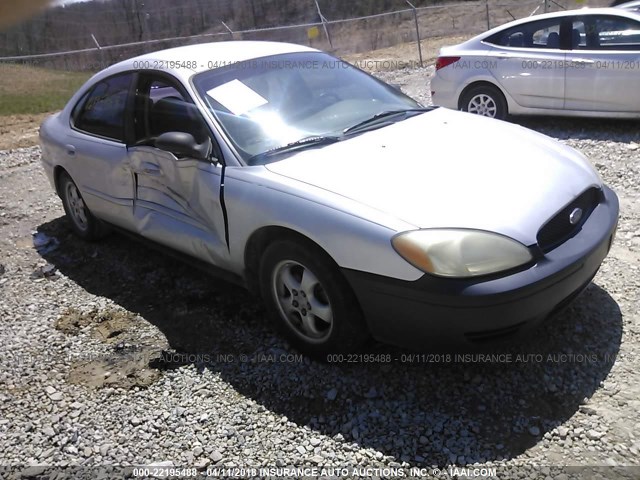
30 90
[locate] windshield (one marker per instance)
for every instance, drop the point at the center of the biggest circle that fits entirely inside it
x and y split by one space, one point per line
267 103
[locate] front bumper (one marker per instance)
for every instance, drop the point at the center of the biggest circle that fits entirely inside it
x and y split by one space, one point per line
435 311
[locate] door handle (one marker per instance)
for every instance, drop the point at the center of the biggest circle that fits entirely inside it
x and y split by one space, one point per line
151 168
71 149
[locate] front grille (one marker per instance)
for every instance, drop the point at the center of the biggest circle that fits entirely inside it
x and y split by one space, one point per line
559 229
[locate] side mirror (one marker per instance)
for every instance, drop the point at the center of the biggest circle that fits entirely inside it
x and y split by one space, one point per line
183 144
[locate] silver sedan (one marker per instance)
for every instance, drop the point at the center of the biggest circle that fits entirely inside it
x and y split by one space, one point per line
575 63
351 209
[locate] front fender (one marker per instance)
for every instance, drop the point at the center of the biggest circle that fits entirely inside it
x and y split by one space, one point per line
355 236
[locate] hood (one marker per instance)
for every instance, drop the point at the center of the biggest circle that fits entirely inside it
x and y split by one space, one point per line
451 169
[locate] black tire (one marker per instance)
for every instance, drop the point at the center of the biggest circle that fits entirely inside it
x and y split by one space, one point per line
82 221
336 325
485 100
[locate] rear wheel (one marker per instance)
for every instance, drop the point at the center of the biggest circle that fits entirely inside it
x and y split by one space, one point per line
486 101
310 300
83 223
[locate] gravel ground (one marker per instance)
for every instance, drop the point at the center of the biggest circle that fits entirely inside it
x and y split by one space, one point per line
112 354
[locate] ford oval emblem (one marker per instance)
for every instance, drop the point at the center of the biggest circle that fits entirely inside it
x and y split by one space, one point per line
575 216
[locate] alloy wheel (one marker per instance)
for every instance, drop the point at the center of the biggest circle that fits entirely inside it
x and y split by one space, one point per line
302 301
77 207
483 104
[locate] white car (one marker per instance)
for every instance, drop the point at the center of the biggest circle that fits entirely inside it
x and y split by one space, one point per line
575 63
633 6
299 176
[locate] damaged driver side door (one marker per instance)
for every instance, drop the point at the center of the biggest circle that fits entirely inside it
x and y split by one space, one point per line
177 177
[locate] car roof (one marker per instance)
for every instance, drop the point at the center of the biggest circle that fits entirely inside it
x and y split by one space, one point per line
620 12
179 61
629 4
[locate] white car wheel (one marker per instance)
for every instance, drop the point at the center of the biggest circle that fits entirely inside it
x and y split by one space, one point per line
485 101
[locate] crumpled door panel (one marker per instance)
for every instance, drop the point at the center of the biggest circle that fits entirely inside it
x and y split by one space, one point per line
177 203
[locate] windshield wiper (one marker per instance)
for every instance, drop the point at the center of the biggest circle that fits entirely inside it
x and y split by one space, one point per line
386 115
303 143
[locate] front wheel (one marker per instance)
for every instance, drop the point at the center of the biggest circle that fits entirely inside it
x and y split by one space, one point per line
83 223
486 101
310 300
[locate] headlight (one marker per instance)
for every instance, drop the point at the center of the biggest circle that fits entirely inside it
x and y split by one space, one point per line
460 253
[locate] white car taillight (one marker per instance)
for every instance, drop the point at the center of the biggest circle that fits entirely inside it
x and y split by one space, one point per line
442 62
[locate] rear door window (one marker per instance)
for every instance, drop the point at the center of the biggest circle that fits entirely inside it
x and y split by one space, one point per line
538 34
102 110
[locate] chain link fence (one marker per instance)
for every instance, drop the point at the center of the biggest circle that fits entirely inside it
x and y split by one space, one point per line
414 26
